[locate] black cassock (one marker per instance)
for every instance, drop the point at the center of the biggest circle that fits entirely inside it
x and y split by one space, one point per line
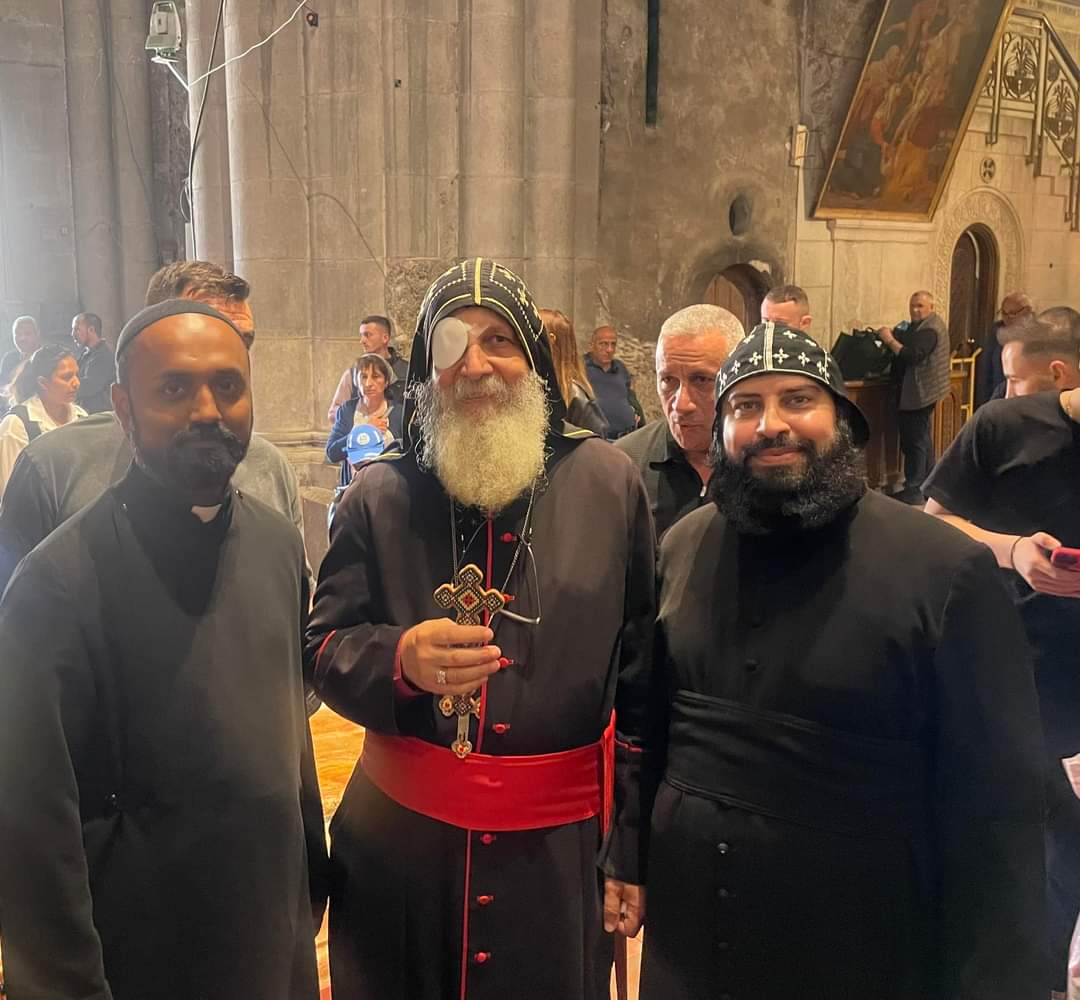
155 764
851 796
406 885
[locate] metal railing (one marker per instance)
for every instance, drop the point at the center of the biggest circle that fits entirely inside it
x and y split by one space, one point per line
1034 76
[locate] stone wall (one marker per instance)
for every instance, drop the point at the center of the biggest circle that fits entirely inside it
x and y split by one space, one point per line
37 246
727 100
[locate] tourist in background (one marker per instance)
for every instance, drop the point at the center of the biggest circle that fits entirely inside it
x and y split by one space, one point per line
582 409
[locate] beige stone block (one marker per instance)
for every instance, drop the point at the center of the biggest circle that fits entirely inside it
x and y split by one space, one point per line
280 297
492 212
497 44
282 385
426 55
509 9
333 135
346 214
345 58
550 52
1049 213
857 281
258 151
342 293
31 44
549 218
270 220
274 73
494 139
550 136
584 312
813 264
426 132
551 281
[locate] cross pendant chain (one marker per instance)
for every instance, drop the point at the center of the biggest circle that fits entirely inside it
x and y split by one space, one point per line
470 601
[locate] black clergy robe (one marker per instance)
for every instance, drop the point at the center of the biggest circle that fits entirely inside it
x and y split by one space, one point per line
851 796
155 763
420 909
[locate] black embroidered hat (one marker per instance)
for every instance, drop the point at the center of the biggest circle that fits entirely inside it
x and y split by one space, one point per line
481 281
776 349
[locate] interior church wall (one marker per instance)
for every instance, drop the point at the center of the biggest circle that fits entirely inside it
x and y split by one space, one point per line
861 272
727 99
37 251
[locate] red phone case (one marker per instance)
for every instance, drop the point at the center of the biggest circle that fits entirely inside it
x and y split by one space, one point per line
1065 558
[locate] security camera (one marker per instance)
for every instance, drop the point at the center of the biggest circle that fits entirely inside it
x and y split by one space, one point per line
165 33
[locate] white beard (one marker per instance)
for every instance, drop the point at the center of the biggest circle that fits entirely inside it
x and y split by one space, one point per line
484 460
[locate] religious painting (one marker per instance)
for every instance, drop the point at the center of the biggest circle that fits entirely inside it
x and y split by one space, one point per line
917 91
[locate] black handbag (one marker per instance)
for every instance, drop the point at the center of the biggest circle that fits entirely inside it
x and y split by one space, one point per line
862 354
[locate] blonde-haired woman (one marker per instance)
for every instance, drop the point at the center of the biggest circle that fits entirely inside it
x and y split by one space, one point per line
582 409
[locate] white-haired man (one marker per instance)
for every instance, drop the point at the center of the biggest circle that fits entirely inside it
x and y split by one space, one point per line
673 455
477 806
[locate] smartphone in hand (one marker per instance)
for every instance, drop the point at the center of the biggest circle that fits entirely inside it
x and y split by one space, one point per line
1065 558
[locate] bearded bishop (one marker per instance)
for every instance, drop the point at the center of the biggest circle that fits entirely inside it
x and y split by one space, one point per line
476 811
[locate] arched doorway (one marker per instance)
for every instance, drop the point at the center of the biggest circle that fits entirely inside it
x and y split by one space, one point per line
973 288
740 289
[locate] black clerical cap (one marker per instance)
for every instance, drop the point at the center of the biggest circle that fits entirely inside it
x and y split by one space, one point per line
776 349
170 307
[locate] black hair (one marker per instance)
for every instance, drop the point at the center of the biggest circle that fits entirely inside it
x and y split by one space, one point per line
41 364
381 321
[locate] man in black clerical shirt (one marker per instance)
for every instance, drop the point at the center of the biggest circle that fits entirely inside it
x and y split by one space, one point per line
1011 480
844 726
673 454
97 367
163 836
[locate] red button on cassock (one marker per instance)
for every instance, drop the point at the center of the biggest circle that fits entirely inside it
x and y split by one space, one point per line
487 838
508 536
481 957
501 727
485 900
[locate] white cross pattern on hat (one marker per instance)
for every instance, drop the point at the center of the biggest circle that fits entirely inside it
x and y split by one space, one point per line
804 359
823 368
736 365
789 335
755 358
780 355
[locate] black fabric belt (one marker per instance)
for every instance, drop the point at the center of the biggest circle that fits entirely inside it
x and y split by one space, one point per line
795 769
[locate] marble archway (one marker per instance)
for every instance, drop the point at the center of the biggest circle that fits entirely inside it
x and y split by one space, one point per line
989 208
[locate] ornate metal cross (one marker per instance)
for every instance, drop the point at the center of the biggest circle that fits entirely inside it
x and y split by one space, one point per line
469 600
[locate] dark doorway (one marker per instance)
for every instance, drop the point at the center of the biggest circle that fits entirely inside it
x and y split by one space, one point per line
974 288
740 289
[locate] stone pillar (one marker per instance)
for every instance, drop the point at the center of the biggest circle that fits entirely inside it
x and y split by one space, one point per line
589 42
97 258
133 150
346 167
493 145
271 220
550 126
423 45
211 218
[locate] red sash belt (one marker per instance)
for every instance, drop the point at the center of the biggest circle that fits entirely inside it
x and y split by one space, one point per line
485 792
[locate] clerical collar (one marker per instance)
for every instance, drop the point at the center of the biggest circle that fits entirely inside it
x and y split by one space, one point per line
148 499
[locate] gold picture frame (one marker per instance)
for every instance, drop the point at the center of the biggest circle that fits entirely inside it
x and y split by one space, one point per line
911 108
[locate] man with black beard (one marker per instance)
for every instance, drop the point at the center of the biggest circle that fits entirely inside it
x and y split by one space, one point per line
849 798
460 835
154 755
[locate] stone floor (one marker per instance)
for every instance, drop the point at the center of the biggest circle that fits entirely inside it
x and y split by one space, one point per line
337 747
